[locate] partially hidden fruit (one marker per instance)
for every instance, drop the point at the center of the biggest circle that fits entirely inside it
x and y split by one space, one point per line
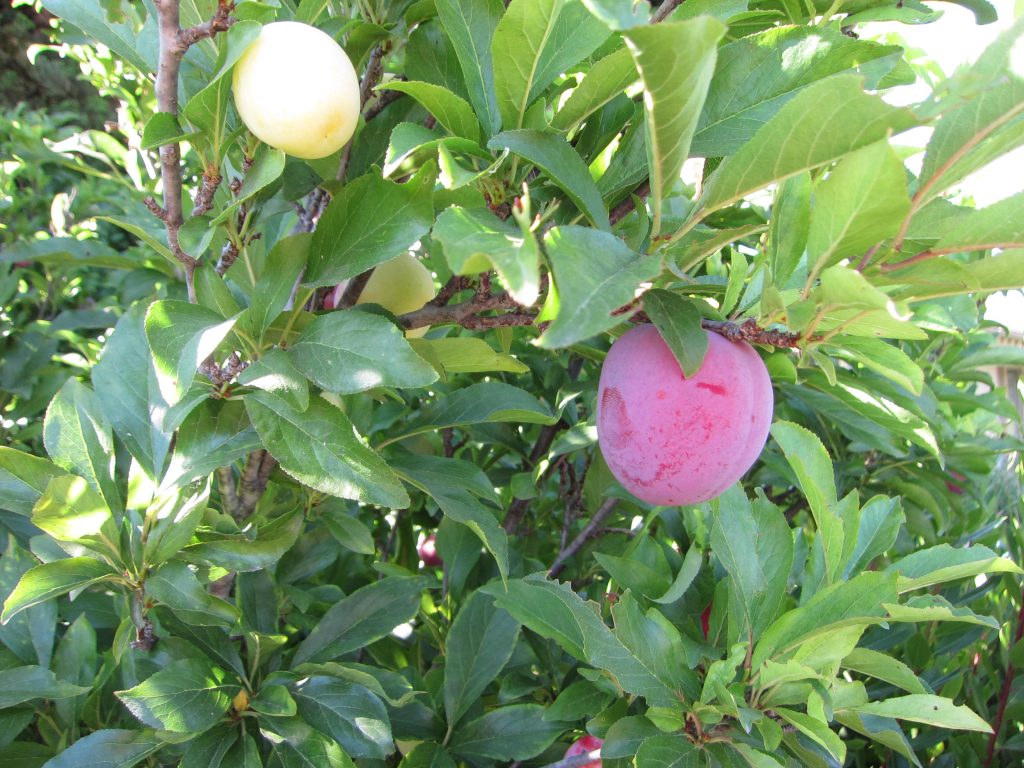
296 90
400 285
586 746
427 550
672 440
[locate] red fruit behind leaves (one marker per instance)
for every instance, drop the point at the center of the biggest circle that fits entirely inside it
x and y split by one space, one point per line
705 621
585 746
428 552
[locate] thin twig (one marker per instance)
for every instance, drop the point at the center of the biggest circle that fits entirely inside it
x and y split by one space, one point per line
354 289
466 314
627 206
591 528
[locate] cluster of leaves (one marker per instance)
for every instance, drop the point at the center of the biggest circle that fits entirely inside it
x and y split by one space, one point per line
216 564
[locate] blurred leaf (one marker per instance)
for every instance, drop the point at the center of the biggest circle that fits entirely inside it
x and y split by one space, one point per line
465 354
942 563
297 745
427 755
162 128
72 512
137 47
665 751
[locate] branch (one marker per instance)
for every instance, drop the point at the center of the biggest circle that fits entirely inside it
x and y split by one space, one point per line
1004 695
588 531
925 255
752 333
665 10
627 206
174 42
354 289
466 314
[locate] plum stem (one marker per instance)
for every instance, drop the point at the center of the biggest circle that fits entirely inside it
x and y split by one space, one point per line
585 535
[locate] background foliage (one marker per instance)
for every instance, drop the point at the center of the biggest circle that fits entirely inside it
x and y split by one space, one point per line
211 510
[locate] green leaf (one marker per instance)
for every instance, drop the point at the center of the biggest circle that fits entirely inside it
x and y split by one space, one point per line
109 748
23 479
734 538
884 730
995 226
126 385
275 373
547 37
172 518
273 289
75 661
516 732
608 78
320 448
882 358
177 587
22 684
488 401
862 202
29 635
981 117
53 579
470 25
427 754
348 713
451 111
813 468
465 354
773 66
408 139
347 242
78 438
560 163
668 751
942 563
846 603
884 667
675 61
274 700
479 644
554 611
692 563
656 643
162 128
816 731
216 434
879 525
187 696
72 512
243 552
928 709
296 745
213 293
138 48
926 608
59 251
209 749
181 336
359 619
678 321
581 699
348 530
459 487
789 226
469 235
827 120
348 351
595 273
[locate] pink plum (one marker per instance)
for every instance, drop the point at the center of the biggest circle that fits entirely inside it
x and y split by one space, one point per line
672 440
427 551
585 746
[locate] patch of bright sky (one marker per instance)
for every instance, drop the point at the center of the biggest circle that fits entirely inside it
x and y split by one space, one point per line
952 41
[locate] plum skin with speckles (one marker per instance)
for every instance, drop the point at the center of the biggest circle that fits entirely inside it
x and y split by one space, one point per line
584 746
672 440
